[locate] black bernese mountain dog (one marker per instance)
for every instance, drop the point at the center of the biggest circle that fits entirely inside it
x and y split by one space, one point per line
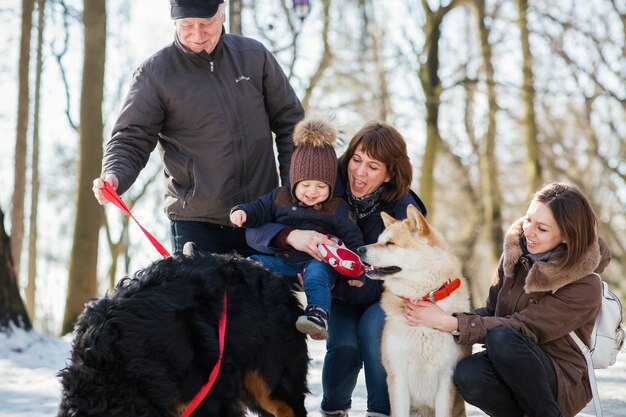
148 346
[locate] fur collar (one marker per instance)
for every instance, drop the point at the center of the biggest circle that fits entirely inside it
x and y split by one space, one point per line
545 276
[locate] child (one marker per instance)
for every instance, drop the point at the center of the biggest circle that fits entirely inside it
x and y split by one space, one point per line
307 204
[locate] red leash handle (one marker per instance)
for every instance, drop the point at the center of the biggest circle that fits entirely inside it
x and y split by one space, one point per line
111 195
195 402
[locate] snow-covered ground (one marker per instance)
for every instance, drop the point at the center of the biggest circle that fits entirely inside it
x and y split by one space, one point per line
29 387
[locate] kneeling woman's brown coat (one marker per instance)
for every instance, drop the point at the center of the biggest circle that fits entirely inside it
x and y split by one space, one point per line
545 302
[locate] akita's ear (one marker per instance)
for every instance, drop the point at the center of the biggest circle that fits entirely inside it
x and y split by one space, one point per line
416 220
387 219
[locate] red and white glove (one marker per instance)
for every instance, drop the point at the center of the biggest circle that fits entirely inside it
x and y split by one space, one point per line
342 259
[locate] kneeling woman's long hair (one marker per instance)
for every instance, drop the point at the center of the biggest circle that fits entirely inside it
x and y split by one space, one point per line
574 216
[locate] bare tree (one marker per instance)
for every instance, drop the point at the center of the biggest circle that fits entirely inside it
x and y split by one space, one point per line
372 37
351 65
488 162
34 198
528 99
69 15
584 143
234 16
280 30
83 280
23 104
428 74
12 310
325 59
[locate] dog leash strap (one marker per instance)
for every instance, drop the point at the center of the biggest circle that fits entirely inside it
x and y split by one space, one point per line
195 402
111 195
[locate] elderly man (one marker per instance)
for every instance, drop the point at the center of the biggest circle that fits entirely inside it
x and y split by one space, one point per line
210 101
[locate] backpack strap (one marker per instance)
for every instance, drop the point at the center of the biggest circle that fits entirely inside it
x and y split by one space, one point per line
597 405
592 374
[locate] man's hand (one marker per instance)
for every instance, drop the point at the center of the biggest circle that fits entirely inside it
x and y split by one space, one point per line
98 185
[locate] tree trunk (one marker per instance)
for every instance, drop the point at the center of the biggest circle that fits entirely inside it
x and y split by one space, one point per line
430 81
83 280
34 199
528 98
234 16
12 310
23 104
488 162
375 34
431 85
325 60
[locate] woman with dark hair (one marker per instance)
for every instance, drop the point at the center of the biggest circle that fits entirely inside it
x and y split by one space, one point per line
544 289
375 176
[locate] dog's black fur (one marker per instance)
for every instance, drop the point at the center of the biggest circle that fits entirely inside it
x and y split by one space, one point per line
148 346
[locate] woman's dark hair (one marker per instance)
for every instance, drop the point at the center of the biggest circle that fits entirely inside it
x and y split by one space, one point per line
384 143
574 216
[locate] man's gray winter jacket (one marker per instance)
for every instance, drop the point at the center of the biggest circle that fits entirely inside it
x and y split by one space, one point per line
212 118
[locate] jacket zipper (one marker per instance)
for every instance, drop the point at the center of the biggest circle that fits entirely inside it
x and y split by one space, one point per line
193 180
236 138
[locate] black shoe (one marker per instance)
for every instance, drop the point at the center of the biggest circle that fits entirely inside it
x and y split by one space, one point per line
314 322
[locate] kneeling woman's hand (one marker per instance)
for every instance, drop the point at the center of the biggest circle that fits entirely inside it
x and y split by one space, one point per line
427 314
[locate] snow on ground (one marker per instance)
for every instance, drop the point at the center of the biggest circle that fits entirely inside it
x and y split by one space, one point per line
29 387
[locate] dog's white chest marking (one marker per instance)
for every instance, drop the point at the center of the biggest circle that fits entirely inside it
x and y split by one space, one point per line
419 362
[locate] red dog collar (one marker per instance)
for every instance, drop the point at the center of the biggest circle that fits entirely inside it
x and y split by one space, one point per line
439 294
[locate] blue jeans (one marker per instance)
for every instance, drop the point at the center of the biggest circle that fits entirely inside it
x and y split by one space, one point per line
209 237
354 338
319 277
512 377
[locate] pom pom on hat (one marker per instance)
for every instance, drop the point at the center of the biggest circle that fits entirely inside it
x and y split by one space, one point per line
314 132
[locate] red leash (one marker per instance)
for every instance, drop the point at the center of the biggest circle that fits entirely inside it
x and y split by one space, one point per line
195 402
114 198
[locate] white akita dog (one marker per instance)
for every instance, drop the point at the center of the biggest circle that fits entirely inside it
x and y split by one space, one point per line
415 264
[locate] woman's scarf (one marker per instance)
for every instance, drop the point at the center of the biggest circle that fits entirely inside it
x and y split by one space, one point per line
363 206
543 257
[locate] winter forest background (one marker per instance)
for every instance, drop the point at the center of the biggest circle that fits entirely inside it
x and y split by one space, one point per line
494 97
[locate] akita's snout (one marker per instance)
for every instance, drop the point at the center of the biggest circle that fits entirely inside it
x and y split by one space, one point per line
371 259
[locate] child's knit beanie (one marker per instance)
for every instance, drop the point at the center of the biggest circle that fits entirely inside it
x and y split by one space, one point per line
314 157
